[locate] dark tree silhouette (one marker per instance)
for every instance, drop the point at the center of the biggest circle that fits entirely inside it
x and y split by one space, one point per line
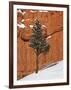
38 42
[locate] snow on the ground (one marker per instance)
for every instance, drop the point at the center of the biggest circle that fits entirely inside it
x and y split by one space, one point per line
54 72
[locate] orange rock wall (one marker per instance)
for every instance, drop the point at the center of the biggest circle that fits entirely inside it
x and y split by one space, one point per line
26 57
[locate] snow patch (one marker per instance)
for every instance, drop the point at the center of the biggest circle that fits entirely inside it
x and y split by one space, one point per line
54 72
21 25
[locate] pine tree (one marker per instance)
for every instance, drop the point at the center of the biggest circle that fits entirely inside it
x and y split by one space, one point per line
38 42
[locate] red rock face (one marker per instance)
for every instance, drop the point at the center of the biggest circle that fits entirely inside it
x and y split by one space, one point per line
51 21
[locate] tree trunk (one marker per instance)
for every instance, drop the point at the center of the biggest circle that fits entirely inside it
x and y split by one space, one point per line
37 62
